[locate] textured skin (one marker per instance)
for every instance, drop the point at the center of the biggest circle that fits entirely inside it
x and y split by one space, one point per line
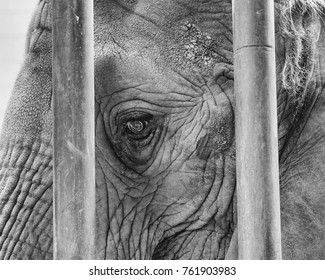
169 194
26 153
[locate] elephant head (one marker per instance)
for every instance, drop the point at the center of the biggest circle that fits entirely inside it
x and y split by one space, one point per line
165 142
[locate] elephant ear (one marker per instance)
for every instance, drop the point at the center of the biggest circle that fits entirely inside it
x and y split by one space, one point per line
300 22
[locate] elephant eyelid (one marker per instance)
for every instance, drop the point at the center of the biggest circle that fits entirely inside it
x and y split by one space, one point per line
134 116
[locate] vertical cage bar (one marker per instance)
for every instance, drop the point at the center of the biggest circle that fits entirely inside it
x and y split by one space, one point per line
259 232
74 148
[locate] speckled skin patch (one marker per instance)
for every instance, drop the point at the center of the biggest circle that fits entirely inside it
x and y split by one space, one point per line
200 47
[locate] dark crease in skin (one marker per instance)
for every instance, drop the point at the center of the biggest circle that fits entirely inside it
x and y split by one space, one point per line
31 188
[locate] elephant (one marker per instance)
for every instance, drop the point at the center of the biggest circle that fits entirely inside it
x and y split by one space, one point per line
165 132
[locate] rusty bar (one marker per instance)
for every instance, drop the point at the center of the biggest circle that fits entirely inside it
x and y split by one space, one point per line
259 232
74 148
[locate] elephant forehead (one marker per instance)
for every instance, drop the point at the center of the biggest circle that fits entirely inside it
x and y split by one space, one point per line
174 33
161 10
183 34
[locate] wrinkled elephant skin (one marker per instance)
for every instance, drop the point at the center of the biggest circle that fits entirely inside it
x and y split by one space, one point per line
165 147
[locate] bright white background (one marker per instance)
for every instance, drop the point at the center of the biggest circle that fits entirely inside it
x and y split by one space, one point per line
14 20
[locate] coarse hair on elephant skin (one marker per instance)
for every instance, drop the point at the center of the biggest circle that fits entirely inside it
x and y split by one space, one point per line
164 125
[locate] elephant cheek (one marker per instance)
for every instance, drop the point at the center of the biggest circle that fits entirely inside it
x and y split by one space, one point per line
26 199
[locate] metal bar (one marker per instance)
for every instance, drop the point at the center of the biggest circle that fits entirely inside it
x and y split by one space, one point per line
259 232
73 106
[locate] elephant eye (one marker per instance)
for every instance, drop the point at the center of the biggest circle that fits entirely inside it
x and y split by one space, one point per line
136 126
138 136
